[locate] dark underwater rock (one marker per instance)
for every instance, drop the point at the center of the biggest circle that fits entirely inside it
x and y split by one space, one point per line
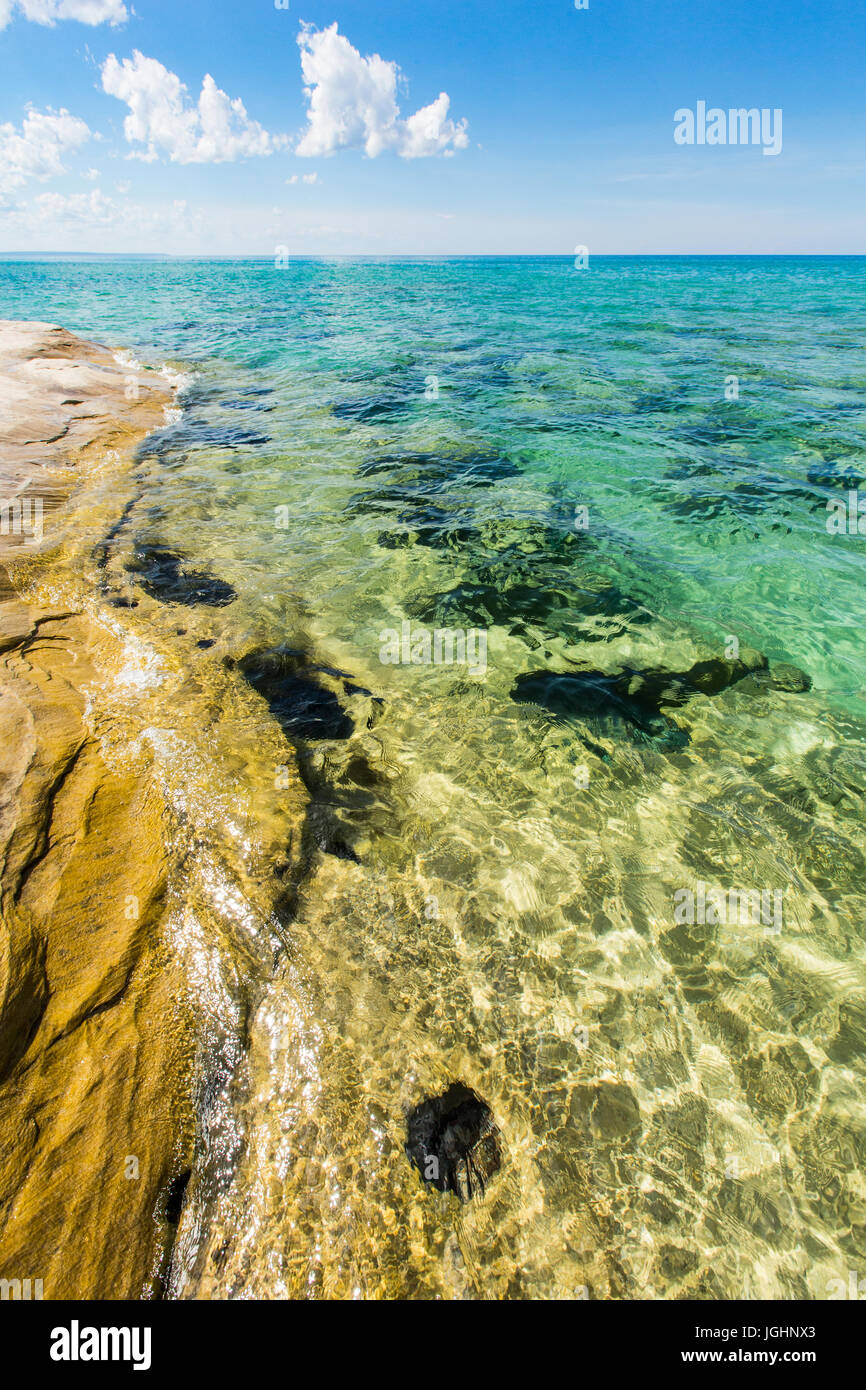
453 1142
615 1113
438 528
248 404
371 408
596 699
161 575
514 599
346 802
298 696
655 687
633 701
791 678
171 446
349 793
176 1195
438 471
829 475
201 434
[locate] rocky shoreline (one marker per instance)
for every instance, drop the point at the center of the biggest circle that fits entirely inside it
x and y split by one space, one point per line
95 1092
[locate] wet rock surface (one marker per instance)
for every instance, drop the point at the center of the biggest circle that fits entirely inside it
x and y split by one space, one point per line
91 1031
94 1040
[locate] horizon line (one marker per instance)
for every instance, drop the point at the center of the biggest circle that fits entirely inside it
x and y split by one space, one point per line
422 255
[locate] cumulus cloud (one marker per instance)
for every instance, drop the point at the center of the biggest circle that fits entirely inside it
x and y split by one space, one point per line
49 11
93 208
162 117
352 104
35 149
95 221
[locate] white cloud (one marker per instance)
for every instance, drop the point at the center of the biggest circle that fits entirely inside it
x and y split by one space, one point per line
165 121
93 208
353 104
49 11
35 149
96 221
305 178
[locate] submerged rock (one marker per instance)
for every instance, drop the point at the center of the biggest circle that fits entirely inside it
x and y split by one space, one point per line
303 697
632 702
656 687
453 1142
602 701
370 408
791 678
176 1196
314 704
163 578
615 1112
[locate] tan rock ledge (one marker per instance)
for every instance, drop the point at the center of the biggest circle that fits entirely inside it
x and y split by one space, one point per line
95 1107
61 401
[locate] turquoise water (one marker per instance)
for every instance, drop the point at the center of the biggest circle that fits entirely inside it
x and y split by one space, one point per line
365 444
604 387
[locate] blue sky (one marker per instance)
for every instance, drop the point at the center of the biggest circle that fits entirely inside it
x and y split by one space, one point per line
557 131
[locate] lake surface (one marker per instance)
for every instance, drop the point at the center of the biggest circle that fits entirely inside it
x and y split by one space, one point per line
610 486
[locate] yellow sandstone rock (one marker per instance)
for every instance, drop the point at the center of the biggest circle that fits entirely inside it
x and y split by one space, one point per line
95 1094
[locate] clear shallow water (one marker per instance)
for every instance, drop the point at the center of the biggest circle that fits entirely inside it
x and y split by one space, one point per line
489 885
